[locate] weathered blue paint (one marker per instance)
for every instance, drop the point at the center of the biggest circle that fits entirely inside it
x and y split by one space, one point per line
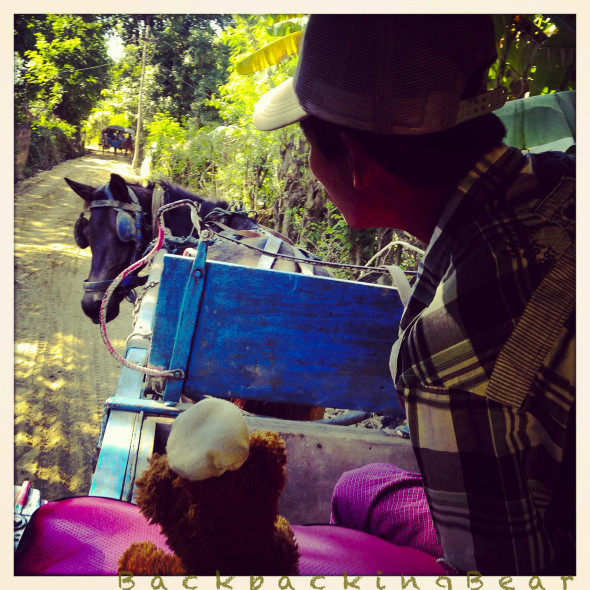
118 441
276 336
187 319
260 334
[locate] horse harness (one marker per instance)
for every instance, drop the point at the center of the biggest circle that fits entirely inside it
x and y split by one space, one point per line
128 226
129 223
218 216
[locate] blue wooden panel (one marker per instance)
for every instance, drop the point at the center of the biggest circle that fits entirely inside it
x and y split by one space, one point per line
284 337
131 381
109 476
189 312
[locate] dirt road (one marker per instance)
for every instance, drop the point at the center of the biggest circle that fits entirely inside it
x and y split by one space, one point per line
63 372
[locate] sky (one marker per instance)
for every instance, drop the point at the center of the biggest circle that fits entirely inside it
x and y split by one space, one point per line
115 48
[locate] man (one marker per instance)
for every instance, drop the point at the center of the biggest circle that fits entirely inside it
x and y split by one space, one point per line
402 135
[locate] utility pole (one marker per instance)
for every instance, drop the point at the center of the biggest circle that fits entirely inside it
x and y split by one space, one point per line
146 39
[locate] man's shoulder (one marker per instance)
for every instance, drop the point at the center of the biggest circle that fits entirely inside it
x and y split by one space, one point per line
519 199
551 167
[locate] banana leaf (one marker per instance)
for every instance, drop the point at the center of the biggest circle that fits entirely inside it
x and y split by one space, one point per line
271 54
541 123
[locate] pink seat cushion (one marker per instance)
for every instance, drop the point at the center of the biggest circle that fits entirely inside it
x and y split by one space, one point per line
332 550
87 535
82 536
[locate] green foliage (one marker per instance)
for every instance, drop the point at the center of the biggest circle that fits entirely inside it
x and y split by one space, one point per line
165 137
118 102
536 54
60 67
51 142
197 108
189 64
62 64
271 54
185 63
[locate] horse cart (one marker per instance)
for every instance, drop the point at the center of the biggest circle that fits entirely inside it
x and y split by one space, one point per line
239 332
205 326
117 137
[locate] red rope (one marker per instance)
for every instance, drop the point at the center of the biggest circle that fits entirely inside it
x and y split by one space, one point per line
105 302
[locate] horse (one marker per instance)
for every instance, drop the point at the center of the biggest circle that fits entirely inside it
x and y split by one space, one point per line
121 225
104 142
127 145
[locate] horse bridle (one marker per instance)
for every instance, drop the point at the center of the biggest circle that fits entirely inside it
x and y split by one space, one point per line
129 224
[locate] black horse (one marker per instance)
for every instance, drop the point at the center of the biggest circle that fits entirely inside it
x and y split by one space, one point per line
127 146
118 225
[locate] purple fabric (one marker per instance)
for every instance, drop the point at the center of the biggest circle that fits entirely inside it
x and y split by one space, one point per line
86 536
388 502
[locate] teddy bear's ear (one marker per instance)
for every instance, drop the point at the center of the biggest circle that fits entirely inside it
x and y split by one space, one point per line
272 444
155 490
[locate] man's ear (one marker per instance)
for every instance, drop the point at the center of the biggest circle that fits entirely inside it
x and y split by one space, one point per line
359 161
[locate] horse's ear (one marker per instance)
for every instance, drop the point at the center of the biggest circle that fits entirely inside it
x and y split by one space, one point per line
82 190
119 188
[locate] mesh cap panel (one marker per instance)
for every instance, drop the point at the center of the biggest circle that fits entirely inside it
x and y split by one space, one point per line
402 74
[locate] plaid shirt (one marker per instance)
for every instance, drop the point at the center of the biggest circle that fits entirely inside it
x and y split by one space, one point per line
485 365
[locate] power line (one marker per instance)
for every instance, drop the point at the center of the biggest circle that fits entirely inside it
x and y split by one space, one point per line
90 68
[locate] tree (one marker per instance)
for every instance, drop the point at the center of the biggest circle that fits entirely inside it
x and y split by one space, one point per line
537 53
63 64
184 65
189 64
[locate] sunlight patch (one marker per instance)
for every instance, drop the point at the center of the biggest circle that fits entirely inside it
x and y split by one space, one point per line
56 384
51 474
27 348
55 247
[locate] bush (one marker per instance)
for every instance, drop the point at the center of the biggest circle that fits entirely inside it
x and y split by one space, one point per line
51 143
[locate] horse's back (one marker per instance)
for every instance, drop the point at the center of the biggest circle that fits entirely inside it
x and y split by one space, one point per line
227 251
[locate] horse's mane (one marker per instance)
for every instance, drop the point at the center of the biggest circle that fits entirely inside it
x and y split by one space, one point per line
177 192
237 219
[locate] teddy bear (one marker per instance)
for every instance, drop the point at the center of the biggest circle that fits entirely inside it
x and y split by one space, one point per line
215 495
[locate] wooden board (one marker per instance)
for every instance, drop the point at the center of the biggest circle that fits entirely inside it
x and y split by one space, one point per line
267 335
276 336
110 474
118 446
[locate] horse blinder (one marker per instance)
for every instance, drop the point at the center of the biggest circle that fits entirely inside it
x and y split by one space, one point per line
126 231
125 227
79 227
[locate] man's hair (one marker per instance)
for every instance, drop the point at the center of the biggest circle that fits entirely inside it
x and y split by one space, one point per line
434 160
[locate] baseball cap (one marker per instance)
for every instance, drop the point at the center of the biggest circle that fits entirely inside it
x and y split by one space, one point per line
391 74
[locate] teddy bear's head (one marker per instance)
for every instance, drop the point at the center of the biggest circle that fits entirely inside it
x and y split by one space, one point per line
215 494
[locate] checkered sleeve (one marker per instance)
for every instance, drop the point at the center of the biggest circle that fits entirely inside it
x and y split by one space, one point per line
491 464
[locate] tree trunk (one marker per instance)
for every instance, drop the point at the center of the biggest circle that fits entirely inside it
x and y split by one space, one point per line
22 141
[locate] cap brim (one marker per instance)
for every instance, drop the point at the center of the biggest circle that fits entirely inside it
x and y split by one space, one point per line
278 107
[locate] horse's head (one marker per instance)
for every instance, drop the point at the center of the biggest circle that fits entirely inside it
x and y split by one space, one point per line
111 225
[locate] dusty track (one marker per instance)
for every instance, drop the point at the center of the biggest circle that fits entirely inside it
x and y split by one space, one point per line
63 372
